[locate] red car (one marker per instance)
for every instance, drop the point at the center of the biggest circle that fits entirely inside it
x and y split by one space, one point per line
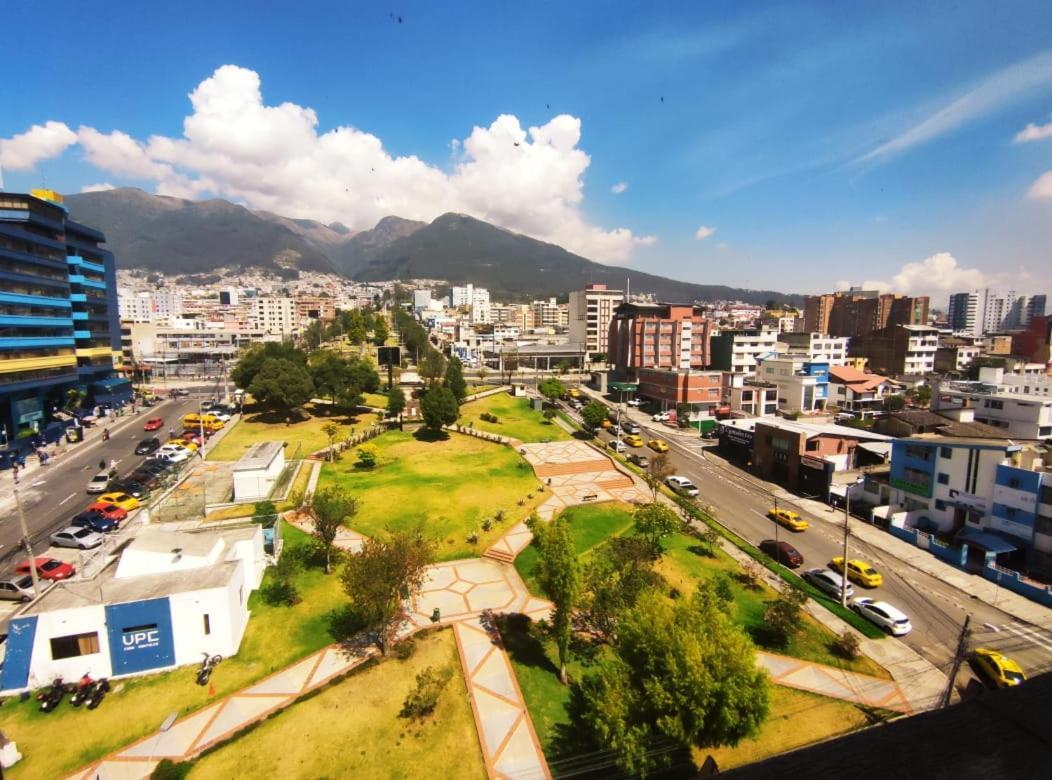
110 511
48 569
154 424
192 436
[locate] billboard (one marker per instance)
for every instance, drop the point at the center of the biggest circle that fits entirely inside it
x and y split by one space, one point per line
389 356
140 636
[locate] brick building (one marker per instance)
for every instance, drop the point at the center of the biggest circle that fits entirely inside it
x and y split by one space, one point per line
658 336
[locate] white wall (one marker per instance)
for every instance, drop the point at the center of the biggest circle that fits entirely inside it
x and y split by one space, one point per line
64 622
227 618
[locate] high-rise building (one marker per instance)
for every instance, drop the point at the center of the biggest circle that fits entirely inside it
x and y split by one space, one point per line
658 335
58 309
550 314
856 312
739 351
474 299
590 312
980 312
275 315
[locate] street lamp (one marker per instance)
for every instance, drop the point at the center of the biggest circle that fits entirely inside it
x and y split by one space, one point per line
25 538
847 514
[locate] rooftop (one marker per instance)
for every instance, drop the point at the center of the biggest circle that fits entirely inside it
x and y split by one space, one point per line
259 455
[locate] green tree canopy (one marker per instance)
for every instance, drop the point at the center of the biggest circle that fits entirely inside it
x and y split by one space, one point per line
454 379
282 385
617 574
380 330
330 373
438 407
330 509
552 389
432 366
363 375
560 577
654 522
593 414
395 401
249 364
312 335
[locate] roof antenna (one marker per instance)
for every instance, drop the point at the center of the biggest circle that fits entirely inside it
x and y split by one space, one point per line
628 288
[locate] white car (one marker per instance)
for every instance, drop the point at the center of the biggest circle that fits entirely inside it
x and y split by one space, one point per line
889 618
100 483
828 581
660 417
173 453
219 415
78 538
634 402
617 445
681 485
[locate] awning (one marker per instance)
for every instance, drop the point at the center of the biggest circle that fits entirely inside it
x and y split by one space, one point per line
623 387
111 383
989 542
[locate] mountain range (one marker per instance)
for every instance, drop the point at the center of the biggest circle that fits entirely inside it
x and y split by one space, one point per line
185 236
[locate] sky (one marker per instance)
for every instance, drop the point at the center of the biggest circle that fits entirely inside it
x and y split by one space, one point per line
792 146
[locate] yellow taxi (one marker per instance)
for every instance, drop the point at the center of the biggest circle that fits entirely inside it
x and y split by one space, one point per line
575 393
788 519
657 445
190 445
207 421
997 669
634 440
858 572
606 424
123 500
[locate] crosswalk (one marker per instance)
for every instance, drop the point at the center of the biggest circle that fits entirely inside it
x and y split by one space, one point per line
1030 646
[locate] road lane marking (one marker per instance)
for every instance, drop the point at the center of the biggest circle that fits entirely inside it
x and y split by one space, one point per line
39 482
1029 634
67 498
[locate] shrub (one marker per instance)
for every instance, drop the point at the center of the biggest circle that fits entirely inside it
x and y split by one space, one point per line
404 649
282 588
499 517
170 770
782 616
423 699
847 645
723 589
473 538
487 524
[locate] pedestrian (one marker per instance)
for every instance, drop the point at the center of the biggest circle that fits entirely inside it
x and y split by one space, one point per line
14 471
102 465
105 434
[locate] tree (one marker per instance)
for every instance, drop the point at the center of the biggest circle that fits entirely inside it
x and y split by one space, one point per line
380 331
362 375
893 403
331 431
683 672
438 407
282 385
593 414
657 471
396 403
510 363
381 577
330 509
552 389
454 379
560 577
549 414
781 618
312 335
252 361
330 373
616 575
654 522
432 366
563 367
922 395
483 373
356 327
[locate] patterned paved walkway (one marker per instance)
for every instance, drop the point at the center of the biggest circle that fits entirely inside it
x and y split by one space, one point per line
509 743
835 683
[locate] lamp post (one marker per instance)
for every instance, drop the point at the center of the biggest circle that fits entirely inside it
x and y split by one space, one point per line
847 514
25 539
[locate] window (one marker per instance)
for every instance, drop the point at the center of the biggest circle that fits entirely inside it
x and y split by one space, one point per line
1013 483
940 505
812 445
946 452
1010 512
208 625
918 452
944 479
74 645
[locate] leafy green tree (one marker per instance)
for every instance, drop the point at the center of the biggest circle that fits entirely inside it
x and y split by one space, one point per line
438 407
454 379
252 361
658 469
282 385
483 372
356 331
432 366
331 431
618 572
781 618
380 331
330 509
593 414
396 403
363 375
922 395
683 672
552 389
330 373
560 577
312 335
510 363
894 403
380 579
654 522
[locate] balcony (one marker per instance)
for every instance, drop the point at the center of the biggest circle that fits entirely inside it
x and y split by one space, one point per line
35 322
34 300
39 341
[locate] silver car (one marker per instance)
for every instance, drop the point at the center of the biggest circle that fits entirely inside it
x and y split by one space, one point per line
829 582
100 483
20 588
77 538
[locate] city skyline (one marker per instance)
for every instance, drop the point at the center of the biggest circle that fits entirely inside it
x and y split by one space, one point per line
801 149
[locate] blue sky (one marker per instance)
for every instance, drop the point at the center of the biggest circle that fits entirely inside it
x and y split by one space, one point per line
818 142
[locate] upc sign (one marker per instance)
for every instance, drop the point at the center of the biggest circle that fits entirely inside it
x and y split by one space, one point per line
141 639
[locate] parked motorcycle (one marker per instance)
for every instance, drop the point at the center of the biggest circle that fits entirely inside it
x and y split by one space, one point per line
209 663
50 700
98 692
81 690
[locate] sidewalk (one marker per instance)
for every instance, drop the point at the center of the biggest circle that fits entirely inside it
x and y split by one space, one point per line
834 683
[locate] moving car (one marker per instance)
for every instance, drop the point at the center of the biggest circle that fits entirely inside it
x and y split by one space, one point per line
109 511
657 445
154 424
889 618
123 500
681 485
616 445
219 414
632 428
634 440
996 669
96 521
606 424
19 588
634 402
133 488
829 582
78 538
660 417
100 483
858 571
788 519
783 552
179 392
48 568
639 459
147 446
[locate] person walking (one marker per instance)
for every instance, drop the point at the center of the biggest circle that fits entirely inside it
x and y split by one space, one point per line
14 471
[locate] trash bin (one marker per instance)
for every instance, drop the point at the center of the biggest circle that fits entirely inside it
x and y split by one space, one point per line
74 434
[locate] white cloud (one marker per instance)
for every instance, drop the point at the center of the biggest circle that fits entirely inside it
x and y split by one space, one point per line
100 187
620 187
990 94
938 275
40 142
1033 132
704 232
273 157
1042 188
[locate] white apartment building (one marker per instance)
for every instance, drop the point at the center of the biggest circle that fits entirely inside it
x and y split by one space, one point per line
739 351
590 313
274 315
475 299
153 306
549 314
803 386
817 347
1019 415
985 311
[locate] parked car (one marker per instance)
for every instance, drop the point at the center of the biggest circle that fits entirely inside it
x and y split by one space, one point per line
174 454
682 485
657 445
631 428
881 613
576 404
192 446
100 483
48 568
634 402
193 436
828 582
148 446
639 459
19 588
123 500
783 552
634 440
996 669
95 521
153 424
110 511
78 538
220 414
133 488
788 519
616 445
858 572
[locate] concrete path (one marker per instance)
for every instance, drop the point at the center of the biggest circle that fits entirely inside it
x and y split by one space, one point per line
461 590
509 743
834 683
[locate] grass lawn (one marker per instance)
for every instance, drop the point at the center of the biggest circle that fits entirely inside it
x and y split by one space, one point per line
683 567
590 526
302 437
352 729
797 718
57 743
377 400
449 486
299 487
515 419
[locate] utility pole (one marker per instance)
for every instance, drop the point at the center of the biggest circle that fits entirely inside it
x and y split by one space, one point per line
26 542
958 657
847 514
776 524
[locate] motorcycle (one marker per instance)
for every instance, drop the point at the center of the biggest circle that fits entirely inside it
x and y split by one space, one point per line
98 692
50 700
209 663
81 691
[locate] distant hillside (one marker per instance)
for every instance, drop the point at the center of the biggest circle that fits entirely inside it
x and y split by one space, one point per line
183 236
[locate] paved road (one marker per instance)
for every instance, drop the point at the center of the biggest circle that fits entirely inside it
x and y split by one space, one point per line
936 609
52 495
